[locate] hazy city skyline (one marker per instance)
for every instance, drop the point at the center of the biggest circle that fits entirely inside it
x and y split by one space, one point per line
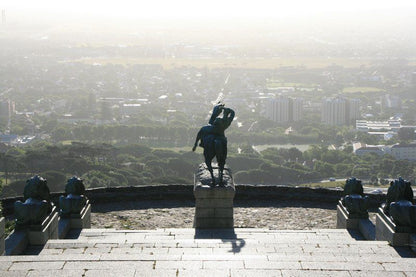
164 9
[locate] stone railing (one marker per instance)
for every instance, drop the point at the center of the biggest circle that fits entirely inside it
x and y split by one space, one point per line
396 219
37 218
352 209
2 232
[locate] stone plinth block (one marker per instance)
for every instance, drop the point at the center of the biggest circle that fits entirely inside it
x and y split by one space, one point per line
363 225
2 227
39 235
413 242
387 230
83 219
16 242
343 222
75 221
19 239
213 205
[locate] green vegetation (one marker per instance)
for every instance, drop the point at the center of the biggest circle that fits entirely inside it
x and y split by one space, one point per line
105 165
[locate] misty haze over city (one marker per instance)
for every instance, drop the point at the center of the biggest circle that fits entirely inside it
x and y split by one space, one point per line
115 92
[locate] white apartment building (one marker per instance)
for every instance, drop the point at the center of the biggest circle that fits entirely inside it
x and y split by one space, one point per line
284 109
377 126
340 111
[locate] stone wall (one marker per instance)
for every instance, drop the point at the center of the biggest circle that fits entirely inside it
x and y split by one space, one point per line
185 192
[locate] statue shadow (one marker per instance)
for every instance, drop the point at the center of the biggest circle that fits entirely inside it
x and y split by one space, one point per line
405 251
225 235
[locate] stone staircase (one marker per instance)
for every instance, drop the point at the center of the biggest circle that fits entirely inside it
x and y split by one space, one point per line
225 252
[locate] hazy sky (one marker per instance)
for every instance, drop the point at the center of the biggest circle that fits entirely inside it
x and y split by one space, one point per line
204 9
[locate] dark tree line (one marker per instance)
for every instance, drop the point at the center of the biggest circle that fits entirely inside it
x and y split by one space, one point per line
106 165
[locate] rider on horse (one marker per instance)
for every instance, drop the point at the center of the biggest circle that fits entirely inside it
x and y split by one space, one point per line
213 139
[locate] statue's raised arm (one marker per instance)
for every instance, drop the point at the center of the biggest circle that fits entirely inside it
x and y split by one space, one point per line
215 113
228 117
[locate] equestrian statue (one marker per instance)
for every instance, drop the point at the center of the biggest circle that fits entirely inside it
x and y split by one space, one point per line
213 140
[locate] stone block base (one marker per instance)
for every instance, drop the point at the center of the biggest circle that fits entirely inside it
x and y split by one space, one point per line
81 221
364 225
386 230
213 205
48 230
412 242
18 240
2 229
84 219
343 222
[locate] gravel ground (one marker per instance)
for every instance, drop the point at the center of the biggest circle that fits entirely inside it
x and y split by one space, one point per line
282 215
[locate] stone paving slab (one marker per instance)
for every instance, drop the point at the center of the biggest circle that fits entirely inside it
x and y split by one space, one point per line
232 252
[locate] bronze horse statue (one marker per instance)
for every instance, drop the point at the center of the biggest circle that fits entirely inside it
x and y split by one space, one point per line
214 141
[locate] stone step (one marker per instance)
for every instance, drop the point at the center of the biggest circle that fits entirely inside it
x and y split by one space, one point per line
235 252
185 241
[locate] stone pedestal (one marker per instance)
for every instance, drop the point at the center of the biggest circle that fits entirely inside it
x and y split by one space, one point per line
213 205
387 230
412 242
20 238
83 219
39 234
2 228
75 221
344 221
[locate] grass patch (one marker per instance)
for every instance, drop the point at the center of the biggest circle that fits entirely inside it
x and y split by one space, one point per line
334 184
276 84
361 89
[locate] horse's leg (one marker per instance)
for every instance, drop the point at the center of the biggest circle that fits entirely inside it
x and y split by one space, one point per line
209 165
198 137
219 149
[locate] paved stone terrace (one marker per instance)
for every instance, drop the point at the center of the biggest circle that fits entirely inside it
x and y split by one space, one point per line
232 252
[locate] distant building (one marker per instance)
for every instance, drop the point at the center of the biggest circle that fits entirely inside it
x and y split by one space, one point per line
378 126
404 151
362 149
9 139
398 151
340 111
130 109
295 109
391 101
284 109
7 108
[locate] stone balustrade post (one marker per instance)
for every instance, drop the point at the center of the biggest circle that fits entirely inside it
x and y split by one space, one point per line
2 230
75 208
352 209
36 218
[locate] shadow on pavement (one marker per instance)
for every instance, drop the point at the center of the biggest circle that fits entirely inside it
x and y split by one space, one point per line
225 235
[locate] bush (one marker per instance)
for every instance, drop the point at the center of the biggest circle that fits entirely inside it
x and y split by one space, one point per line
56 180
13 189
